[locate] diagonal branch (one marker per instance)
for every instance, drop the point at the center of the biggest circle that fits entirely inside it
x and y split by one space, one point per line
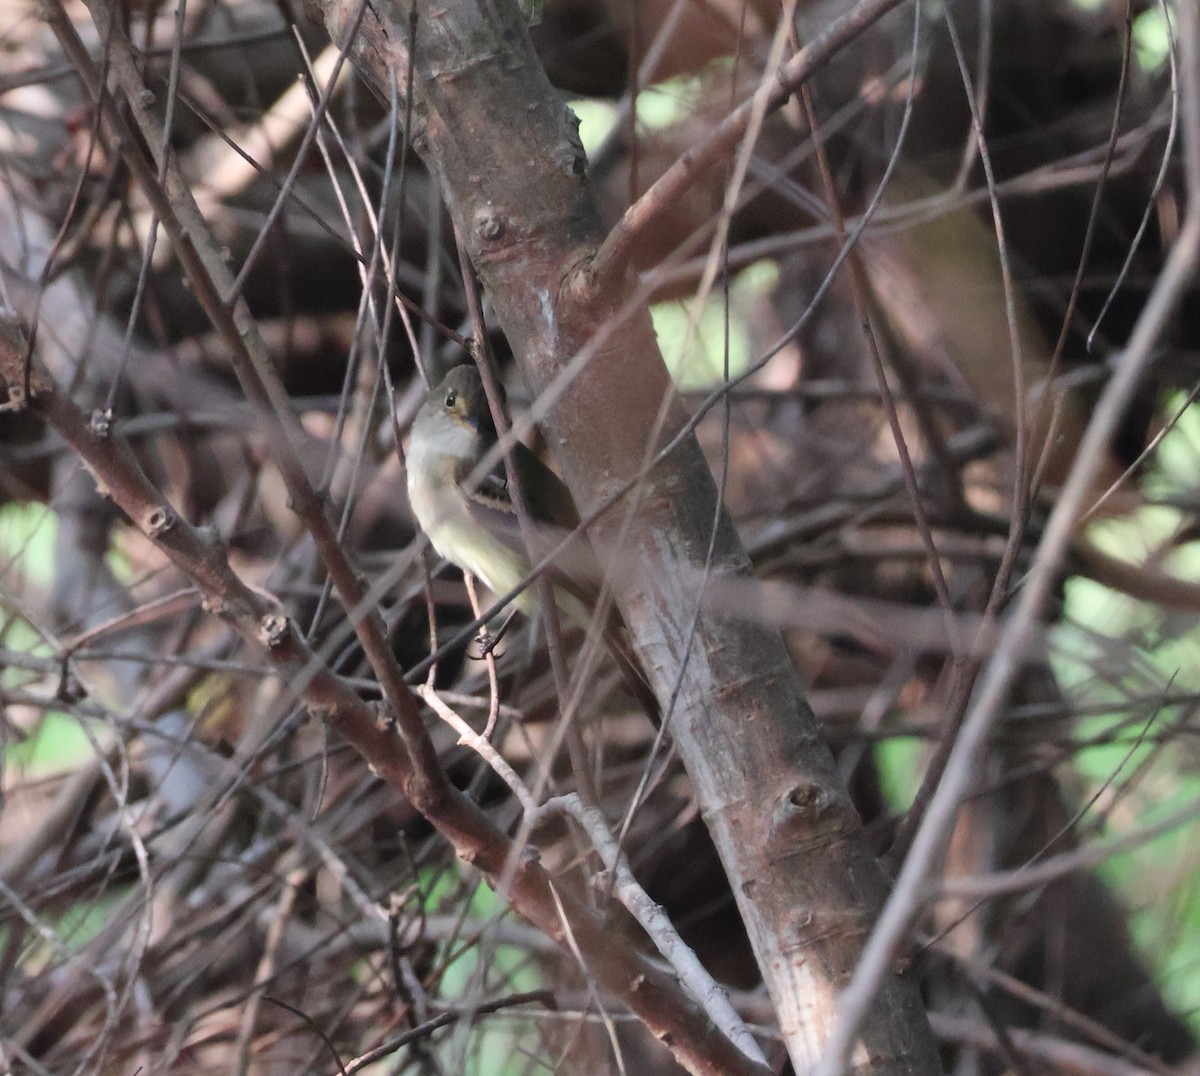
514 176
613 256
550 904
905 903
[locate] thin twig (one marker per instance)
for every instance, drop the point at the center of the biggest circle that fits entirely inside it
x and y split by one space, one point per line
655 922
482 747
528 997
489 660
613 256
905 903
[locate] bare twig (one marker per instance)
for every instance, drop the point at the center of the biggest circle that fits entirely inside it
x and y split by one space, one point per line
905 903
694 1041
613 256
656 923
529 997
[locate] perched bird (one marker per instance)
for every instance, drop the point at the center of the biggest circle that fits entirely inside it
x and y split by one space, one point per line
475 525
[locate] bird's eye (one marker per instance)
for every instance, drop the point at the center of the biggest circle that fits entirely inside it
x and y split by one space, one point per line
451 398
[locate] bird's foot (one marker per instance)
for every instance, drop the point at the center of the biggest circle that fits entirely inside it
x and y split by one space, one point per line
487 643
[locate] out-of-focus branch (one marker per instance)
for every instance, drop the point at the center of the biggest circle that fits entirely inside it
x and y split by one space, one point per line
905 903
613 257
1058 1054
508 156
548 903
653 919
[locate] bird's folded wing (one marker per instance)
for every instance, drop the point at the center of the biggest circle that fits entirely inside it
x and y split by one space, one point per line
575 569
553 522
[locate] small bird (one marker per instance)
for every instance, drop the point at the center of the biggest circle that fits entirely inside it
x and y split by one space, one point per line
476 527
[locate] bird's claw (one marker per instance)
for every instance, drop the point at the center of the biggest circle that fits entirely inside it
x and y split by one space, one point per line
487 643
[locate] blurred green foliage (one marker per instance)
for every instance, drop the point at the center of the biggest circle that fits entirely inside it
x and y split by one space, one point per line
1119 659
899 762
505 1042
695 353
27 535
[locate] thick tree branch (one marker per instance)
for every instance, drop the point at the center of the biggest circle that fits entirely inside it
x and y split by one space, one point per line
513 173
551 904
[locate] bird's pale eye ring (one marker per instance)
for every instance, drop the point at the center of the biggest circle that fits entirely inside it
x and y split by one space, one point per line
451 398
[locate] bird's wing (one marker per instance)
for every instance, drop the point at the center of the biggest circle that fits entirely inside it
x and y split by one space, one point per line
553 519
576 569
545 493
